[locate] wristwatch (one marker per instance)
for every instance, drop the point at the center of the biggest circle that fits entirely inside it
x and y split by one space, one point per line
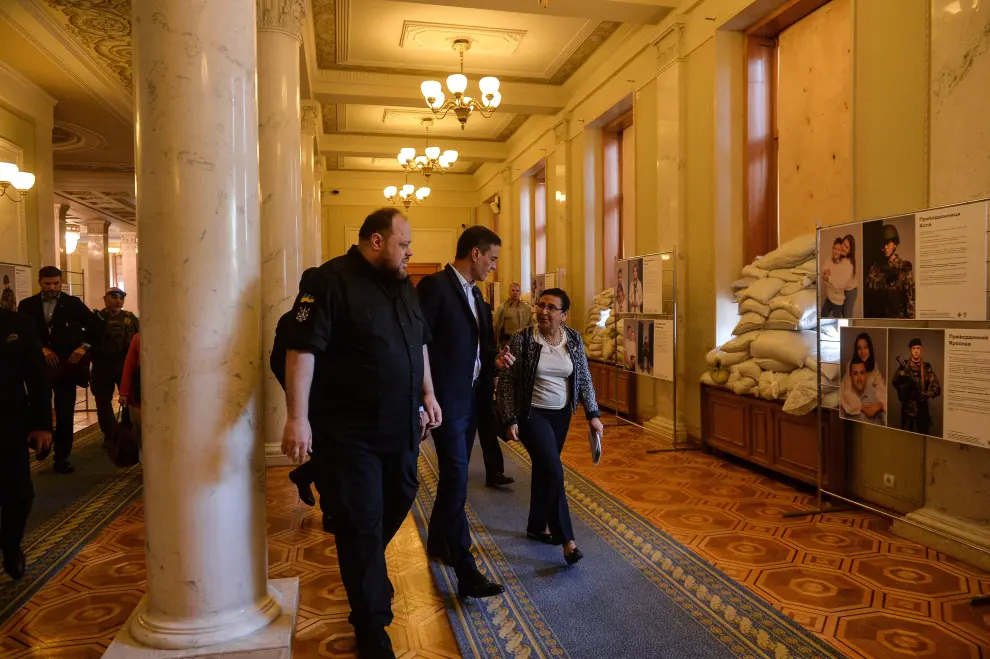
85 346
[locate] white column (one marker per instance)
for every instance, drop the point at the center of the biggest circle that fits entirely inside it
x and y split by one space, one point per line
60 213
204 479
128 258
320 167
307 152
97 263
279 40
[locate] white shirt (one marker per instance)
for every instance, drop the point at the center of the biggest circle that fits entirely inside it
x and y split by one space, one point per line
468 288
49 308
839 281
550 390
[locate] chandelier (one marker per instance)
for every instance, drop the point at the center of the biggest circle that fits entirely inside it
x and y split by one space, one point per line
12 177
433 162
457 84
407 195
71 238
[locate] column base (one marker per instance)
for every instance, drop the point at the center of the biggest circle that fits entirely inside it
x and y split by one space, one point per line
272 642
664 427
274 457
967 530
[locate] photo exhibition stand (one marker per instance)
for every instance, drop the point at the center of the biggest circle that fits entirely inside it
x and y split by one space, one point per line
944 319
646 293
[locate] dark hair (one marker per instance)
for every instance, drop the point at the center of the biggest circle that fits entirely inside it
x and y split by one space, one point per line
852 250
379 222
477 236
48 272
857 360
871 361
837 241
564 300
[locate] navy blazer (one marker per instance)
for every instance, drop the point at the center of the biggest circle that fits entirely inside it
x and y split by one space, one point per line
72 324
456 336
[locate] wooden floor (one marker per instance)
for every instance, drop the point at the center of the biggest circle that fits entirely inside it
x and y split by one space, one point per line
845 576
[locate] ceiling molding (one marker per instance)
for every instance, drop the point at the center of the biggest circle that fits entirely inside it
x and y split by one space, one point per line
412 31
511 127
386 146
583 34
72 138
325 33
96 167
584 51
119 206
342 21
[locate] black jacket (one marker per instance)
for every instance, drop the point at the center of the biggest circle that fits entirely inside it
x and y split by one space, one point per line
25 391
456 336
72 323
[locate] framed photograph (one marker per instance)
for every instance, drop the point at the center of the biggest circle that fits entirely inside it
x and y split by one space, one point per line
621 286
916 361
840 268
635 291
888 264
863 387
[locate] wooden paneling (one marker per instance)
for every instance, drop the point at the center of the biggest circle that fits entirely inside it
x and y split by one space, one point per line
760 173
729 421
419 270
615 389
762 433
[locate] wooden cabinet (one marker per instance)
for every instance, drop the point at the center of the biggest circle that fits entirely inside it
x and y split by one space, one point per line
760 432
615 389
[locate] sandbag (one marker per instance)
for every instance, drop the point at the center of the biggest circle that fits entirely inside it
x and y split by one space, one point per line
748 368
789 255
810 266
773 365
752 306
802 398
756 273
830 330
797 304
706 378
830 399
742 386
774 386
787 274
781 319
749 323
742 342
831 373
763 290
725 359
783 346
790 288
803 375
740 284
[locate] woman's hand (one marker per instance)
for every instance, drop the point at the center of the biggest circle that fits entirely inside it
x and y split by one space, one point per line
513 432
596 425
505 358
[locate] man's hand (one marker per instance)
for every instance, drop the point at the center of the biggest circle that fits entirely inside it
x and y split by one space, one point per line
432 410
596 425
424 426
513 433
122 400
297 439
50 357
77 354
40 440
505 358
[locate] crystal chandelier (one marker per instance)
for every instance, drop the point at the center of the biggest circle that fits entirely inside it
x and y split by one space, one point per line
457 84
12 177
433 162
407 195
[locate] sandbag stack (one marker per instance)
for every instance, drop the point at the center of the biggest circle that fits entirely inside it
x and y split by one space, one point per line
600 341
774 351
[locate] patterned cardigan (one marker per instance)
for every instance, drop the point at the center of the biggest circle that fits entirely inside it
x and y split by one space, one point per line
515 384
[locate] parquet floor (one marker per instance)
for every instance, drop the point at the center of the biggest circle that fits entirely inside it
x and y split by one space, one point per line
844 576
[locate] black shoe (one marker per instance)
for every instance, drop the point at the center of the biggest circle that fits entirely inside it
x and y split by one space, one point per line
573 557
476 585
438 552
374 645
328 524
14 564
63 467
499 480
305 491
545 537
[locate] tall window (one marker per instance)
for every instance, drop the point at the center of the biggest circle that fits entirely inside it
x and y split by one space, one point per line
540 224
613 146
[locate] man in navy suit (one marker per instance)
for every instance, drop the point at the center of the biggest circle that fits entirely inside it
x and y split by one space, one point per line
462 361
66 327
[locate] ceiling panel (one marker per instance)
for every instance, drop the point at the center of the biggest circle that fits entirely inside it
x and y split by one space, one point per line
392 165
408 121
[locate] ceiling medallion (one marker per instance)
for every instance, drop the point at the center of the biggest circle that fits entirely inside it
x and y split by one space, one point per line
462 105
433 162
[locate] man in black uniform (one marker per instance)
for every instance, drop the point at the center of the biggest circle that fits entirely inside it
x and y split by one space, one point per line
26 411
115 328
66 328
358 344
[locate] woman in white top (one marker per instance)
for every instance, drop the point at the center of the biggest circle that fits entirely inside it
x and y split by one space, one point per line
543 379
852 288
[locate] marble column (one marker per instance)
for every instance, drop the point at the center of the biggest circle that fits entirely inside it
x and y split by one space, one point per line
128 258
320 167
97 278
279 40
204 472
307 153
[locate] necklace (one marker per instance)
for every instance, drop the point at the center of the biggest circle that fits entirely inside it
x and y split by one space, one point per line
555 344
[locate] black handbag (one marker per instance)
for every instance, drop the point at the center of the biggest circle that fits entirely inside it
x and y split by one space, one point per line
123 446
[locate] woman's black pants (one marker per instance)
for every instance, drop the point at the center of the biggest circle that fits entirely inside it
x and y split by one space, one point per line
543 435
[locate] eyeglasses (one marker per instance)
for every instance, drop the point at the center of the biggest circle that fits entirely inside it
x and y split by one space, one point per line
549 307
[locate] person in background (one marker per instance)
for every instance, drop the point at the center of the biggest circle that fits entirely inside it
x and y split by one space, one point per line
115 329
7 299
545 374
26 410
852 290
512 316
129 395
66 327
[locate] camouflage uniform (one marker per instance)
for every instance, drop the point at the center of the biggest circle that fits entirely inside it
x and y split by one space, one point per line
916 384
895 281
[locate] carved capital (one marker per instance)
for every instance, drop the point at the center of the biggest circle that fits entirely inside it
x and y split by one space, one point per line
310 119
97 227
669 45
282 16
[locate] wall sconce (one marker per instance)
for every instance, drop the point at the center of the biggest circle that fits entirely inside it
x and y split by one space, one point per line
71 238
561 197
12 177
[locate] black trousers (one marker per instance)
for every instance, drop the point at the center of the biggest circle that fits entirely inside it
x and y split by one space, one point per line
65 410
922 423
371 493
543 435
103 383
16 490
488 437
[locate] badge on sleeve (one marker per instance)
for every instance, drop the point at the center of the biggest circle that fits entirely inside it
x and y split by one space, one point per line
305 305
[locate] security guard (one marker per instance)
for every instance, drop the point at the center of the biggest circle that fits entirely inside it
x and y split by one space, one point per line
358 342
26 413
891 281
115 327
916 384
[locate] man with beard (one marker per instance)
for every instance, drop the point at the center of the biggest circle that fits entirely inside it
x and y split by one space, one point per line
916 384
892 279
358 345
66 327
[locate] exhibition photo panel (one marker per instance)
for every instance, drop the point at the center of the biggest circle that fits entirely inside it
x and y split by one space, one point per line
888 260
951 263
621 286
863 388
966 386
916 362
635 288
840 267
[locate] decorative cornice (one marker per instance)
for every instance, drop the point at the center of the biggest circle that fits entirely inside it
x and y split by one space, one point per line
669 44
330 118
325 30
510 129
96 166
286 16
103 28
310 118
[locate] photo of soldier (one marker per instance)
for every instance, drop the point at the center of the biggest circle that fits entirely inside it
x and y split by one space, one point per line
917 359
888 255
